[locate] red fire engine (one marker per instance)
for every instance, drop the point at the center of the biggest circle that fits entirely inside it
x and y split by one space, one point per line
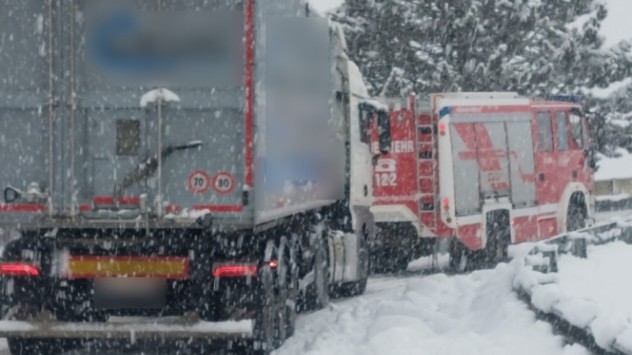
482 170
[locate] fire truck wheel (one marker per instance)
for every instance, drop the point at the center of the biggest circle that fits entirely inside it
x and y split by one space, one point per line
20 346
576 218
498 238
459 256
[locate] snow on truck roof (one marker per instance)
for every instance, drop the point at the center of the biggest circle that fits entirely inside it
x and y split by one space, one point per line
492 99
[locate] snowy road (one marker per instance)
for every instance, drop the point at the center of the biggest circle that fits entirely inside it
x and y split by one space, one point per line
437 314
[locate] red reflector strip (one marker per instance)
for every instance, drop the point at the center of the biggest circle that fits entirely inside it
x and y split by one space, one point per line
234 271
85 208
129 201
18 269
108 200
18 207
218 208
173 209
104 200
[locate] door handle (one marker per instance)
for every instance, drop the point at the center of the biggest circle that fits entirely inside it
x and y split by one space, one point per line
541 177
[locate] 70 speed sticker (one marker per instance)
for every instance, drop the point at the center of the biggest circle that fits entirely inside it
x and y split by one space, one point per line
200 182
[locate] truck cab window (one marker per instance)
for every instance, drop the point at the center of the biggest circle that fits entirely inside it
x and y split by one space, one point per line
577 129
545 132
562 131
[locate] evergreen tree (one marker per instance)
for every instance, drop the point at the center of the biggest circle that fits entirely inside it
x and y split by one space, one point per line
530 46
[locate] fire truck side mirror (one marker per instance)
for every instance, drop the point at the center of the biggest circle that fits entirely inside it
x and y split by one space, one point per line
384 131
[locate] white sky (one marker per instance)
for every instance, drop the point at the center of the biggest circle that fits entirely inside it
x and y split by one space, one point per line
618 24
326 5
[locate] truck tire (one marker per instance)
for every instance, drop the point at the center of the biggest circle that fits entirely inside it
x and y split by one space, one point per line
459 256
394 247
498 237
22 346
287 276
267 316
317 294
576 218
352 289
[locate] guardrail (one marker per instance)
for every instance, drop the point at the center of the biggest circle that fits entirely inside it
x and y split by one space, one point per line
536 278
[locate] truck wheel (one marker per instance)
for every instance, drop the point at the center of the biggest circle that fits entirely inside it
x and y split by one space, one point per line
576 218
21 346
352 289
317 294
498 237
293 287
266 321
287 290
394 247
459 256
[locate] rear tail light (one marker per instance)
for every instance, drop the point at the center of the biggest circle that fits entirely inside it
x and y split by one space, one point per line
237 270
19 270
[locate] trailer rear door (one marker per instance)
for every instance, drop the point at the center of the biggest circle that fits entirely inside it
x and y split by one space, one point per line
26 101
160 108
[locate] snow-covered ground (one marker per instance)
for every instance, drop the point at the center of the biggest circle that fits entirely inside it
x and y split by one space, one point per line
601 280
476 313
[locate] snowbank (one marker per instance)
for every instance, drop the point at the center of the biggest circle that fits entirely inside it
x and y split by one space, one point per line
613 198
602 280
466 314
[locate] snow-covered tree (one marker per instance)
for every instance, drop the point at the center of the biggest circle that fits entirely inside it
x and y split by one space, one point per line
531 46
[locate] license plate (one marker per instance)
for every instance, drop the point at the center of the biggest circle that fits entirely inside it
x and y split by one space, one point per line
130 293
95 267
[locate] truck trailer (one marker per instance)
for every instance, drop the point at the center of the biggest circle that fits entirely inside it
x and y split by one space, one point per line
479 171
188 170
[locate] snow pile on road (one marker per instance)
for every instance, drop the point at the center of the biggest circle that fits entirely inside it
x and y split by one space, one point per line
439 314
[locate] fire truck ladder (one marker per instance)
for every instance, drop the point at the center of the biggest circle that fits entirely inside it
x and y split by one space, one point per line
426 169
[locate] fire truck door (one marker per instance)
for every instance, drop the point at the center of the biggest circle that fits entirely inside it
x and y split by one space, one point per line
547 165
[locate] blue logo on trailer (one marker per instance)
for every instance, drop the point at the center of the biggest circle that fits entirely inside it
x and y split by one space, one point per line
114 28
137 43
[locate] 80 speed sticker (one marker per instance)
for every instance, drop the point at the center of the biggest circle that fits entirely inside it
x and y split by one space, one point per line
223 183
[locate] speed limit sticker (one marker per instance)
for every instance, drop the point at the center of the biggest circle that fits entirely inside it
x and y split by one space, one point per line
199 182
223 183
